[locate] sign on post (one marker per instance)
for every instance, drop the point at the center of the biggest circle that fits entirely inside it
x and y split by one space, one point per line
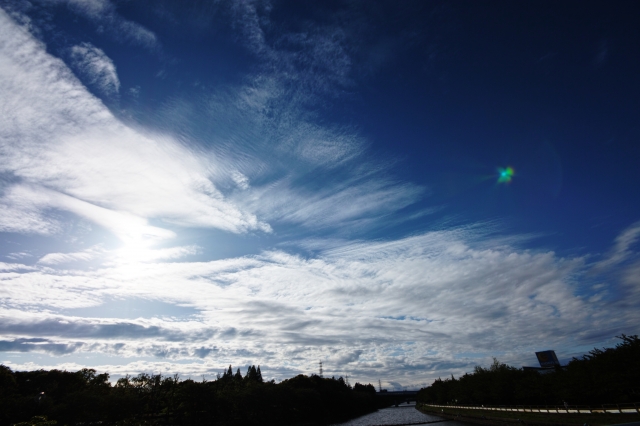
547 359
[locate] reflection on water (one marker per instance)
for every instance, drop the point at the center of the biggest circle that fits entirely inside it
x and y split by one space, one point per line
402 415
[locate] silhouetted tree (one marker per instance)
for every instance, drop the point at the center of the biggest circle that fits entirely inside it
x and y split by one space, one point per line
610 375
238 376
364 388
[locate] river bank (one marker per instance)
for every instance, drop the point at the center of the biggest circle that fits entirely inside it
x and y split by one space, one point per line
535 419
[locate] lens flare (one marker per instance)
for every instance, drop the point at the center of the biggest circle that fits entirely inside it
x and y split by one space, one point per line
505 175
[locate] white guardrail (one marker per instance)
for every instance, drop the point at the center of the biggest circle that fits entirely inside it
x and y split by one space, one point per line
631 408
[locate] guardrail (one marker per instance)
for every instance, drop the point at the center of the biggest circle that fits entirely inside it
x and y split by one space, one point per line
630 408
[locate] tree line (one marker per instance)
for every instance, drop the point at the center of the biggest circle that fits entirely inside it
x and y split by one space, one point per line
85 397
602 376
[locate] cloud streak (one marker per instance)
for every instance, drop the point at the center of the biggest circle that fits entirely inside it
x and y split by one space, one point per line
97 67
57 258
622 249
65 151
103 13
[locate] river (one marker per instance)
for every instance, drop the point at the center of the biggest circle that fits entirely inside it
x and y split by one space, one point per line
401 415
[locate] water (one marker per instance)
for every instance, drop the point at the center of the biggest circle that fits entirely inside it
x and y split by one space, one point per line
402 415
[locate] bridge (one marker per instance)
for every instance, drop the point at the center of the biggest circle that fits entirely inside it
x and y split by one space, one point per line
398 397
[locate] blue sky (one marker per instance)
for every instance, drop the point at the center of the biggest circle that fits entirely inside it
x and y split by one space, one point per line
188 185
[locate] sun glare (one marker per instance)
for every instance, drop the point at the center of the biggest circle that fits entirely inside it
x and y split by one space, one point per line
138 241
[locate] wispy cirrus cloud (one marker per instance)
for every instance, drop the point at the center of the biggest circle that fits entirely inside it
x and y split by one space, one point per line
104 14
123 255
90 160
57 258
309 62
293 167
97 67
342 204
290 170
66 151
622 249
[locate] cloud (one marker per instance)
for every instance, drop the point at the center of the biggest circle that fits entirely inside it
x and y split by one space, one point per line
407 308
18 255
57 258
104 13
621 250
264 120
268 132
14 217
36 200
621 267
14 267
311 62
248 18
241 180
65 151
37 345
87 328
303 170
97 67
339 205
403 307
300 173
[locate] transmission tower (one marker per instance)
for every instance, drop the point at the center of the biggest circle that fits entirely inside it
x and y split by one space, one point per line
379 386
320 369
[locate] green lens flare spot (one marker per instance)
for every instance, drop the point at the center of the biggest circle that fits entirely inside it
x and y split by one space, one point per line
505 174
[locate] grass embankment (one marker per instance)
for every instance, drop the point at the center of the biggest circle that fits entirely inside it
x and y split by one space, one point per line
544 419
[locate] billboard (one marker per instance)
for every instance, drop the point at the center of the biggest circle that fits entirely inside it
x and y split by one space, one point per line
547 358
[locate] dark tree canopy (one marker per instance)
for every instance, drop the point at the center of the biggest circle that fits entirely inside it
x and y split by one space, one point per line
43 398
602 376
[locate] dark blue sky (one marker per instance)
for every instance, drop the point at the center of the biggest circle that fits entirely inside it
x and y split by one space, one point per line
453 90
245 178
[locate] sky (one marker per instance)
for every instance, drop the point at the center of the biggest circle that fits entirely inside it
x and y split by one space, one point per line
399 190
